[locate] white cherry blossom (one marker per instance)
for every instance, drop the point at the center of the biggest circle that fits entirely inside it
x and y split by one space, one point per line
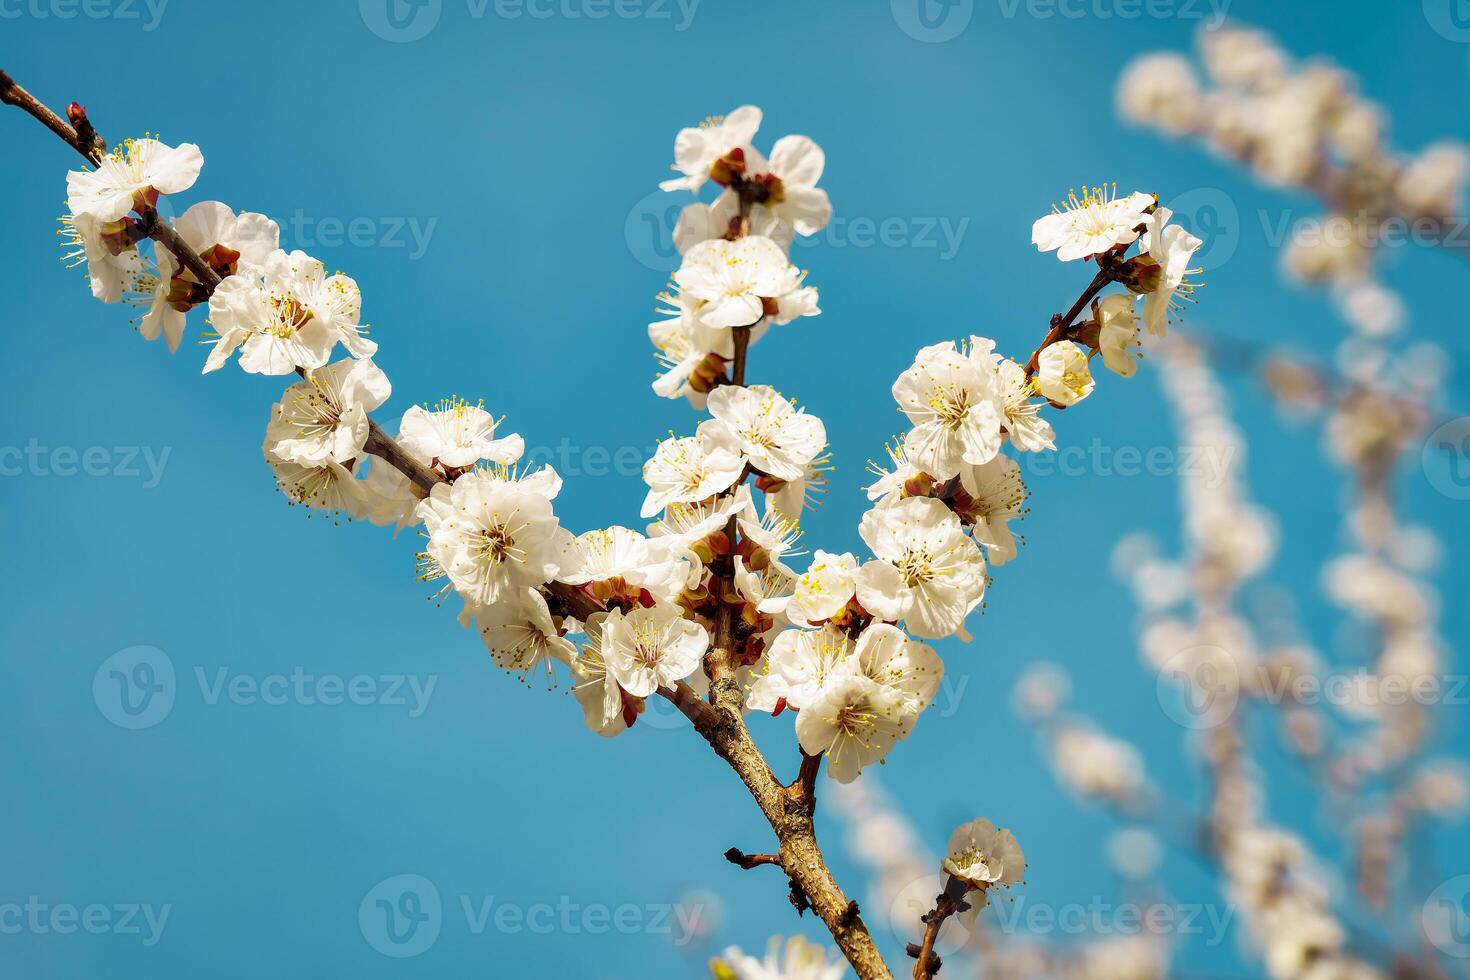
595 687
224 240
492 536
697 148
521 635
740 282
951 399
700 222
456 435
996 497
910 669
797 666
790 959
690 469
928 572
981 856
112 260
854 720
1062 374
285 316
617 556
789 182
131 176
1117 340
327 485
326 416
1170 247
1025 427
646 649
774 435
820 593
1081 228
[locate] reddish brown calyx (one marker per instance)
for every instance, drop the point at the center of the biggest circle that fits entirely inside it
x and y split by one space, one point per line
708 375
1087 333
1141 274
965 506
632 708
763 189
617 592
769 484
729 168
717 545
184 294
919 485
76 113
118 236
144 201
222 259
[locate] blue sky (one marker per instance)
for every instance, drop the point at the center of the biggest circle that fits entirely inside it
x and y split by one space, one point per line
489 184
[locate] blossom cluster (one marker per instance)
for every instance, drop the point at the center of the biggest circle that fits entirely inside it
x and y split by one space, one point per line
839 643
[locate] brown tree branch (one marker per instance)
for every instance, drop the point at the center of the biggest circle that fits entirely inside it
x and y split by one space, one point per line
12 94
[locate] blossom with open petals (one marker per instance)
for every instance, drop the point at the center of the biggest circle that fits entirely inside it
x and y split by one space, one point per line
1081 228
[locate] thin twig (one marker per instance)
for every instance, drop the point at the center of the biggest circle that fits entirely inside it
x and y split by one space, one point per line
747 861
